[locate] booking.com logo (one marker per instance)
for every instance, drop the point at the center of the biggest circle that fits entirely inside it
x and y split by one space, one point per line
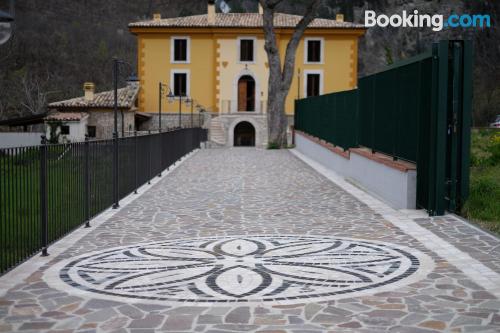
416 20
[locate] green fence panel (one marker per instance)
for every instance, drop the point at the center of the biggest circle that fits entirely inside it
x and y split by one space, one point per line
418 110
365 117
329 117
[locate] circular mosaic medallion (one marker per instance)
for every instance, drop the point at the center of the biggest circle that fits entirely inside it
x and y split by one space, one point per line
244 269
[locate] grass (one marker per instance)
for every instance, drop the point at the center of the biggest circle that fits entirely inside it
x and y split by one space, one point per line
20 221
483 205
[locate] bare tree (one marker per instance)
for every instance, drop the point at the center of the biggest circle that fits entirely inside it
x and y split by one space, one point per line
35 98
281 76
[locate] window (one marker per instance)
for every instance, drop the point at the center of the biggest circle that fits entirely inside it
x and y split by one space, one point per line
247 50
314 51
64 130
91 131
314 83
180 79
180 50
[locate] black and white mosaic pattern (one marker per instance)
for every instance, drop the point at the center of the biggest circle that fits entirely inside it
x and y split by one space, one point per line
245 269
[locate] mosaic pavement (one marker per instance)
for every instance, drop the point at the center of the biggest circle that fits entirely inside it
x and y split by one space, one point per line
246 240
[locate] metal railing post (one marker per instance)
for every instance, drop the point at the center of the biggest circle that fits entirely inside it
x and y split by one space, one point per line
160 155
192 115
135 163
180 111
87 183
149 158
160 92
43 196
116 203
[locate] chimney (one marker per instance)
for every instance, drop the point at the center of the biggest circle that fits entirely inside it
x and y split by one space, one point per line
339 18
261 10
89 89
156 17
211 12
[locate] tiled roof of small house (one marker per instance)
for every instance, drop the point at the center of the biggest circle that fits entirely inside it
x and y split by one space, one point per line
66 116
241 20
126 100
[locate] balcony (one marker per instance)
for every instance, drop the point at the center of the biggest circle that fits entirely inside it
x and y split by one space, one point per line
231 107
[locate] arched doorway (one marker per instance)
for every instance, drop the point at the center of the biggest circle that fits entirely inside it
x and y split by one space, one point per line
246 94
244 135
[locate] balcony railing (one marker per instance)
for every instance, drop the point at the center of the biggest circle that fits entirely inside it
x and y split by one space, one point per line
231 107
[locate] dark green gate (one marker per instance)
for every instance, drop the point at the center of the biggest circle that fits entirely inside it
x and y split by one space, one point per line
443 168
418 110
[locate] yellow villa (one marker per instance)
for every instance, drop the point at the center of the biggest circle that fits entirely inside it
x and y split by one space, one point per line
218 60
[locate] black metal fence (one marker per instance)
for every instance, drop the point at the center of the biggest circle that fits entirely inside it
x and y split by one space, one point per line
49 190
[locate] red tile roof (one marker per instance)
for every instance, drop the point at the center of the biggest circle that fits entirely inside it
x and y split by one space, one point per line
126 100
66 116
241 20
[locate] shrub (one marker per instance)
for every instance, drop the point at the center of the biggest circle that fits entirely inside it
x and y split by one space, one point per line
273 145
494 150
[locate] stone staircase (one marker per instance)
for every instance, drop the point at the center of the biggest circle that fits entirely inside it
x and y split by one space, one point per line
217 132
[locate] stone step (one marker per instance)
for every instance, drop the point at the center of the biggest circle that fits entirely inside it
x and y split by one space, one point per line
217 133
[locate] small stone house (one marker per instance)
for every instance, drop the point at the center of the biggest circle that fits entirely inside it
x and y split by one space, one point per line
93 114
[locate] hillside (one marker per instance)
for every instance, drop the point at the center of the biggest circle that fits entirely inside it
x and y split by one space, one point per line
60 44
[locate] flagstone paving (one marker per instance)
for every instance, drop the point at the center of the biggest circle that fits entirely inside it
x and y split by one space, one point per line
248 240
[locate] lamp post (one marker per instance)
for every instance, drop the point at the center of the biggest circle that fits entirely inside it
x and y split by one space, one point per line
116 73
171 98
161 89
200 112
190 102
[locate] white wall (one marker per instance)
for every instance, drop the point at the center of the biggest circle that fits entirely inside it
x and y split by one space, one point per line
397 188
19 139
77 131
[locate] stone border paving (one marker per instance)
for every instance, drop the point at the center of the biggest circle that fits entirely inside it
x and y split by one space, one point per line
475 270
467 237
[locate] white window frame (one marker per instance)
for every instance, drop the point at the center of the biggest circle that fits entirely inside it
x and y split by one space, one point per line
254 39
172 49
321 80
188 80
306 50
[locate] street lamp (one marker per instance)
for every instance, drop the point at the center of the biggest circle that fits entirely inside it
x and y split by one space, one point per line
116 73
6 22
191 102
199 108
161 89
200 113
171 98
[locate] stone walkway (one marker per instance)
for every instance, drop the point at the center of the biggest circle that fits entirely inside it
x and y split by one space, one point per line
247 240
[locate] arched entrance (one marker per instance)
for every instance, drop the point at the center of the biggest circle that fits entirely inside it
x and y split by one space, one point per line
246 94
244 135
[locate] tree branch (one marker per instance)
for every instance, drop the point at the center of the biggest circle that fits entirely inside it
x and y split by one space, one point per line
289 67
270 3
271 45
